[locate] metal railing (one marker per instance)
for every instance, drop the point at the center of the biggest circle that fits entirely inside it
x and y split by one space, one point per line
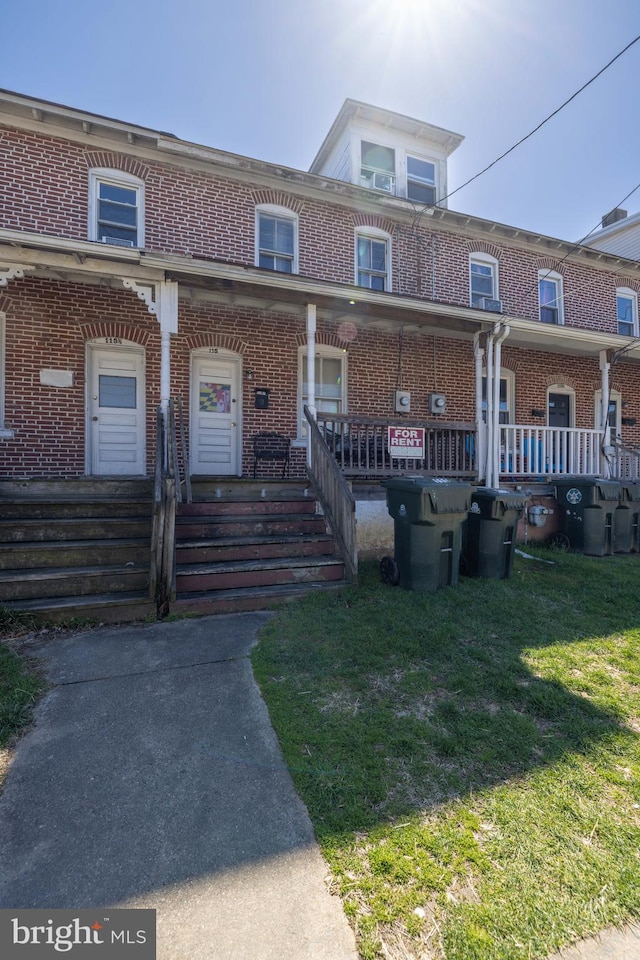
335 497
529 451
359 447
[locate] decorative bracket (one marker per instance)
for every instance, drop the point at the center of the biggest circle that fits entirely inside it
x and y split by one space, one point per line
143 292
13 272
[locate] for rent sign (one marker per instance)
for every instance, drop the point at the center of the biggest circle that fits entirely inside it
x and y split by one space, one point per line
406 442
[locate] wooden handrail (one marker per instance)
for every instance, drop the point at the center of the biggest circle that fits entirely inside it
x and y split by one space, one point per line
335 497
166 495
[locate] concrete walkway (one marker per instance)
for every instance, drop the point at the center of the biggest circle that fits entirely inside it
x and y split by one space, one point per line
153 778
622 944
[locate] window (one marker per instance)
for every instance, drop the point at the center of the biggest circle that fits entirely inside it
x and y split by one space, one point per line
116 213
550 297
330 382
421 180
614 417
627 312
372 260
506 398
378 167
483 274
277 239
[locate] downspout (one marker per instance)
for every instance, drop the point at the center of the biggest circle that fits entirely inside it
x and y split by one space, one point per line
496 399
478 354
604 414
311 369
488 472
167 304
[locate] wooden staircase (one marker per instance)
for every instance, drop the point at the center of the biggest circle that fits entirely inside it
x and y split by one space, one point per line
80 549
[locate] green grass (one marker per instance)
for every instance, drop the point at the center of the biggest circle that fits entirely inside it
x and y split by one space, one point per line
470 759
20 684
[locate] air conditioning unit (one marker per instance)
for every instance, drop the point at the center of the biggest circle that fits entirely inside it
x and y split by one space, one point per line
437 403
486 303
118 241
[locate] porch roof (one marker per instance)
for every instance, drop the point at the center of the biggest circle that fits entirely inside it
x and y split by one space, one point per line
81 261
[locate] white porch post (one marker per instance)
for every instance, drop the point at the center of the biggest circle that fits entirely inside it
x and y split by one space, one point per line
605 366
478 354
167 301
311 369
488 473
497 357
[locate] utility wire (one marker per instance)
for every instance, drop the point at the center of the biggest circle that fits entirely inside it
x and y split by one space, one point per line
542 123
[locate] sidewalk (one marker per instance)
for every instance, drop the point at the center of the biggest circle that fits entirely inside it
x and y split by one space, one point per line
622 944
153 778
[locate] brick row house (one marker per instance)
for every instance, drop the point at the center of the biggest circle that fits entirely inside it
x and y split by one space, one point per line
137 269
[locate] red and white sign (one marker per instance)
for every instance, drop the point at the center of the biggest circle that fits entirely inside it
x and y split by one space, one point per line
406 442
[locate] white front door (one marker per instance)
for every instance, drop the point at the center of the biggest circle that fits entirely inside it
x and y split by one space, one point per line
116 410
215 415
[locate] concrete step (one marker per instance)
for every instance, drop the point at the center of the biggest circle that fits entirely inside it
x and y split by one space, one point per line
208 528
73 553
74 528
256 573
72 581
249 598
227 549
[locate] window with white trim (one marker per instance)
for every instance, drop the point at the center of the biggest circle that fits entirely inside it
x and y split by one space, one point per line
614 415
116 208
483 279
627 312
507 393
276 239
331 382
377 167
373 259
550 297
421 180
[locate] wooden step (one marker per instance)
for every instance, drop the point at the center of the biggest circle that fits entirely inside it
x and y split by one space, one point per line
208 528
241 508
249 598
257 573
99 608
46 509
71 581
211 488
111 488
227 549
73 553
74 528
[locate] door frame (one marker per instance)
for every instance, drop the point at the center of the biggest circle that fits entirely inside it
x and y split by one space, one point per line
201 353
113 344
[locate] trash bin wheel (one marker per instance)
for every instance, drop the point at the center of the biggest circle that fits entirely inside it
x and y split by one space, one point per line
389 571
560 541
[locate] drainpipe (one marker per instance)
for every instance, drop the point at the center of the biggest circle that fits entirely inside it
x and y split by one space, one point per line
478 354
167 307
311 369
497 356
488 473
604 414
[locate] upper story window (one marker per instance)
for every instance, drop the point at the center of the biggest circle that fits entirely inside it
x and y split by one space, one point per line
483 280
116 208
277 239
377 167
627 312
372 260
421 180
550 297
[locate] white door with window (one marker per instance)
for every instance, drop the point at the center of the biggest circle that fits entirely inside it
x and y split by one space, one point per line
215 415
115 410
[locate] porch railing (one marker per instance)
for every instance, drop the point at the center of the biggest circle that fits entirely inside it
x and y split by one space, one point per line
624 462
528 451
358 445
335 497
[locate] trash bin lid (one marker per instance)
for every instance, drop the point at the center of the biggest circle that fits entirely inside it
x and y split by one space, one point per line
437 494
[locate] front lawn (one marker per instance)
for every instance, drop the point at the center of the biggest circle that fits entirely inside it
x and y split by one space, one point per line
470 759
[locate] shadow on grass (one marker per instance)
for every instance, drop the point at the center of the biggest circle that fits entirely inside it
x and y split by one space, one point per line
388 702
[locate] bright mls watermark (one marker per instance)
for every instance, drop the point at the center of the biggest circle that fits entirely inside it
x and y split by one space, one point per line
101 934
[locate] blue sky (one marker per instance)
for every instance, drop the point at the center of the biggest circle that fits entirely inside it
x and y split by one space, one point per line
265 78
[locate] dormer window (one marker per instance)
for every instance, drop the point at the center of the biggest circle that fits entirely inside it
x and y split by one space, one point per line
421 180
378 167
116 208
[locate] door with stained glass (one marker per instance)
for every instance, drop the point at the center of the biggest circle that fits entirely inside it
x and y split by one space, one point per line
215 415
115 410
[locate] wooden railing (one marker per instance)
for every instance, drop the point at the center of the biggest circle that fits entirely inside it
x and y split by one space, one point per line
359 447
167 494
334 495
528 451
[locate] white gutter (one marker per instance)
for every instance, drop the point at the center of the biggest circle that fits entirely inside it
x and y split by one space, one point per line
488 470
605 367
502 334
311 369
478 354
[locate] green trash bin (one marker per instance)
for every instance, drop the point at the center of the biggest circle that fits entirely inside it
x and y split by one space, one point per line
587 508
490 534
428 514
625 525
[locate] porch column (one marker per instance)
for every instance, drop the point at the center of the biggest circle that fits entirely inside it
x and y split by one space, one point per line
605 366
311 369
167 301
497 356
478 354
488 471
